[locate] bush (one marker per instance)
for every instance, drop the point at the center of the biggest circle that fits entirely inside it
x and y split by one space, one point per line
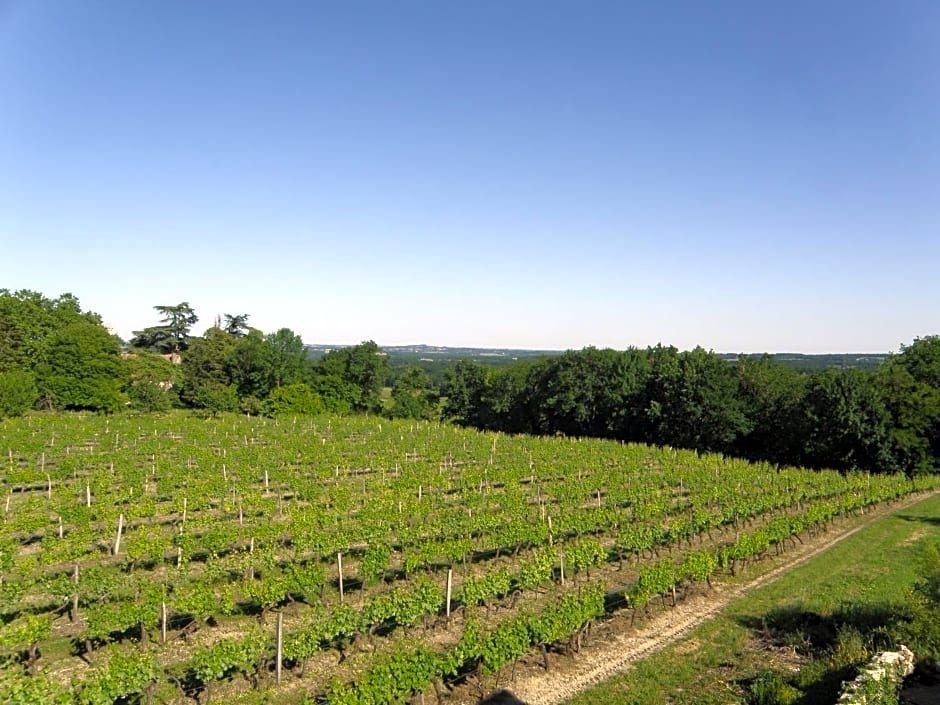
769 688
149 396
18 393
294 399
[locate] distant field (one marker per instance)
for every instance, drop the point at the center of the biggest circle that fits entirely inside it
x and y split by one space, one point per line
428 356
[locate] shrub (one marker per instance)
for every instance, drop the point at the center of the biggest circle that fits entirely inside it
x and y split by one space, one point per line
769 688
294 399
18 392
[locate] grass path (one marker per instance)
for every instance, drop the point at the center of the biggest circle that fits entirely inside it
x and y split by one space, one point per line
614 647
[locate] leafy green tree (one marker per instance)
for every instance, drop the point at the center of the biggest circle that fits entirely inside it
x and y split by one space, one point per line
248 365
259 363
922 359
590 392
412 396
848 422
27 321
914 408
82 369
772 398
464 388
507 402
171 337
206 382
287 357
338 395
18 392
364 366
153 381
693 400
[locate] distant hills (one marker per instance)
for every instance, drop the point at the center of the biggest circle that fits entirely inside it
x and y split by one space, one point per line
425 354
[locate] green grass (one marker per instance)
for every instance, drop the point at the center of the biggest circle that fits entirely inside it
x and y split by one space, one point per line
861 583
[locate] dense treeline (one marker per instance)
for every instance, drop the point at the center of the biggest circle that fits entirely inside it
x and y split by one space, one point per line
55 356
887 419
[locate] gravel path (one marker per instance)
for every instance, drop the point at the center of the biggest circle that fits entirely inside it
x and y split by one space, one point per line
609 652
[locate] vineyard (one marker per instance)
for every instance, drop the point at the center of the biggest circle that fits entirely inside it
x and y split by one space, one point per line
349 560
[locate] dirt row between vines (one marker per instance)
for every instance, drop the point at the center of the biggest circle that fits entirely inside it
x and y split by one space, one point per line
614 646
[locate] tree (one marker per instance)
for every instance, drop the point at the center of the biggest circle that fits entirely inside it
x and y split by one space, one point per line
412 395
153 381
847 422
506 402
364 366
206 382
82 369
693 400
27 321
922 359
287 357
338 395
464 387
18 392
590 392
173 336
914 408
772 397
236 325
248 363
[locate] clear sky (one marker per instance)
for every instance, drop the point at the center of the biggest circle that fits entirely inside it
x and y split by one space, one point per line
745 176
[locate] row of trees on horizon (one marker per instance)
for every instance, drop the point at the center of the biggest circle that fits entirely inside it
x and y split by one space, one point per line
55 356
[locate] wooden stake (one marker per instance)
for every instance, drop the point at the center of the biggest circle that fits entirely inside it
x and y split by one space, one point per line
163 622
87 494
117 541
280 644
339 562
74 614
450 579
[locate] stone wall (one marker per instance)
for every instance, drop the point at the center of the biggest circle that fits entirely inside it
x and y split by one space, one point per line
881 676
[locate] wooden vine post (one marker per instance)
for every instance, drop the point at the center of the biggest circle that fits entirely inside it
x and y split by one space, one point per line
450 584
280 645
120 530
74 614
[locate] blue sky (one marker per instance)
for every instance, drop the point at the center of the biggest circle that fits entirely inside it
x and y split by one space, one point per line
745 176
